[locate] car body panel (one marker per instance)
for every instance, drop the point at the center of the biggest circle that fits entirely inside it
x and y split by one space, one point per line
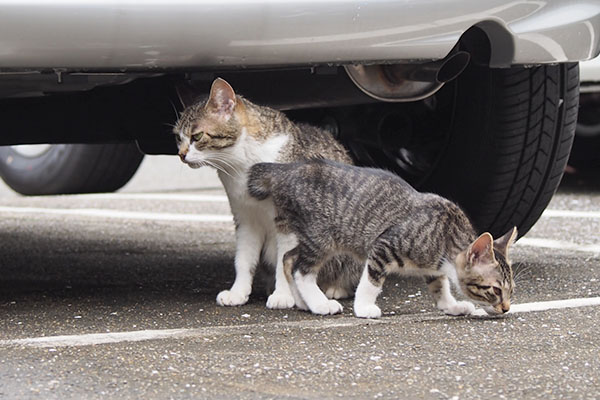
102 35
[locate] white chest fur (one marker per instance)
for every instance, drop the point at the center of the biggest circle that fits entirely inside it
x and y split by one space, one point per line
237 159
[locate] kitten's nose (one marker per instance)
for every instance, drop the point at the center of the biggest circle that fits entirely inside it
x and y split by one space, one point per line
182 156
505 306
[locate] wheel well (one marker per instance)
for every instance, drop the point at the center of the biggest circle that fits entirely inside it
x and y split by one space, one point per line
489 43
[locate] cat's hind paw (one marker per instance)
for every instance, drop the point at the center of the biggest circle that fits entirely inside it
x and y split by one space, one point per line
367 311
328 308
460 308
336 292
279 301
231 298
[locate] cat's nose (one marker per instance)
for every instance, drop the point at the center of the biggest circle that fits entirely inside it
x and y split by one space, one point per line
502 308
182 156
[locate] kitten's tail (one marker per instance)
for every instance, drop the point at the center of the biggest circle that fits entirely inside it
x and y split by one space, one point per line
259 180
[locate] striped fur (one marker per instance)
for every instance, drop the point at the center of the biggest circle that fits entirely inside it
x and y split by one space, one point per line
388 226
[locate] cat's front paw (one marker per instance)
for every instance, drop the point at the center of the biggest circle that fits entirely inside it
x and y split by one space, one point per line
329 307
367 311
231 298
336 292
280 301
300 304
460 308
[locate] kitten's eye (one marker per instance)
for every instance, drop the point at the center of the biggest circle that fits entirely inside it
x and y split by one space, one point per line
497 291
198 136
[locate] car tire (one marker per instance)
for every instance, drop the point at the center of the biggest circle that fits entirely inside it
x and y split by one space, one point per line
511 137
69 168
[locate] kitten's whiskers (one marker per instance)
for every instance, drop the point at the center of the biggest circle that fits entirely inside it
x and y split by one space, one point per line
521 271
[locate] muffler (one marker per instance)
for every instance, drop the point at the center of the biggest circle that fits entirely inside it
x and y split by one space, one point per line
407 82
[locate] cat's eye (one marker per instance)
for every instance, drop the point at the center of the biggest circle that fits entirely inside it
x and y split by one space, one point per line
497 291
198 136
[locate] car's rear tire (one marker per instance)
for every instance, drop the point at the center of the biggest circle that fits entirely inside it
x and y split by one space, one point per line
512 134
69 168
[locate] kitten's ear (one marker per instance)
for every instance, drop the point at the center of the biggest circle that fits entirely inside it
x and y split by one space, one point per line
503 243
222 98
481 251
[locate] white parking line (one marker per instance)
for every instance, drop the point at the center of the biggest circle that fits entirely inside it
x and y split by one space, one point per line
558 244
570 214
106 213
205 198
549 305
138 336
154 216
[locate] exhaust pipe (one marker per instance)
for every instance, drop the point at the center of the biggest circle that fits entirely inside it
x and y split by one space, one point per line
407 82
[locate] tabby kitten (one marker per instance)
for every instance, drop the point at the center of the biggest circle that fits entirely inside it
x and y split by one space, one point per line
229 133
328 208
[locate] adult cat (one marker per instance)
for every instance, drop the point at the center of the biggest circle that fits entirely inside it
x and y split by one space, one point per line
328 208
229 133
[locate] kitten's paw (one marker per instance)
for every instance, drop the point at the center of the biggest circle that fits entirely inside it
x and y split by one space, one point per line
327 308
367 311
231 298
460 308
336 292
279 300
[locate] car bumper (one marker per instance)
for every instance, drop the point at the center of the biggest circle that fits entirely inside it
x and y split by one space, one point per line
184 34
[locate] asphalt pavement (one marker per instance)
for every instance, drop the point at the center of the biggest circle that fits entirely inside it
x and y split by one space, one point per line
113 296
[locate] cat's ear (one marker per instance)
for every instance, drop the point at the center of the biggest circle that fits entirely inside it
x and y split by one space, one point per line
481 251
502 244
222 99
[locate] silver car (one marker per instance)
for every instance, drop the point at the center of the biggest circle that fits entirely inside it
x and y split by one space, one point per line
475 100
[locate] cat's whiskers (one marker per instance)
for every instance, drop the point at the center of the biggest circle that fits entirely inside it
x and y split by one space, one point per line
520 271
223 160
217 167
225 164
177 113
